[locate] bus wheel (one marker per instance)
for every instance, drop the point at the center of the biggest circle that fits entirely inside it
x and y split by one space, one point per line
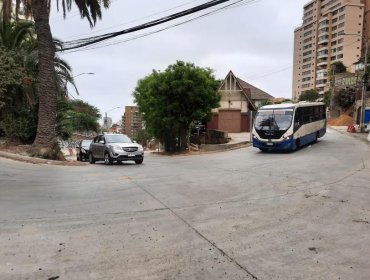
316 137
297 144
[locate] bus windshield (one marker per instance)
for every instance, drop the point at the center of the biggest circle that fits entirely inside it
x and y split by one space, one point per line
274 119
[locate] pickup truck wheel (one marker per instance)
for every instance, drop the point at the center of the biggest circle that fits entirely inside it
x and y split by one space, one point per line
107 159
91 158
139 161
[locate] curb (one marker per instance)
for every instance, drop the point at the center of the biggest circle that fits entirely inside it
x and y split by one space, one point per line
35 160
224 147
208 148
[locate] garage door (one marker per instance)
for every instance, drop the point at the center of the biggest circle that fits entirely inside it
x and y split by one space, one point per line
229 120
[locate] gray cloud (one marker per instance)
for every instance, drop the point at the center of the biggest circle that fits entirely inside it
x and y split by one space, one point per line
255 41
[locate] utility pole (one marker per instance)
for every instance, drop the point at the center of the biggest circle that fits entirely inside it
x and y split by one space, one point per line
333 104
364 86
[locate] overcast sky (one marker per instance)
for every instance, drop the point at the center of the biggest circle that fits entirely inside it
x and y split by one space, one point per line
254 40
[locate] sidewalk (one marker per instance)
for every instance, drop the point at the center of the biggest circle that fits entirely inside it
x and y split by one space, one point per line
358 135
237 140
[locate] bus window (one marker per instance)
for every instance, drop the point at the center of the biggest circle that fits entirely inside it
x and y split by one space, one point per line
298 118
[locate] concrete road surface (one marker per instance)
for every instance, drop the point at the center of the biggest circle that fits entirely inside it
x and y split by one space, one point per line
240 214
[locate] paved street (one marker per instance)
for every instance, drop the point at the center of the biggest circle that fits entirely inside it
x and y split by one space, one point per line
240 214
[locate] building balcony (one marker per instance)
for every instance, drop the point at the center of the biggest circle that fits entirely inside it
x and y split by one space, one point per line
322 56
323 71
323 48
324 23
321 82
323 41
322 63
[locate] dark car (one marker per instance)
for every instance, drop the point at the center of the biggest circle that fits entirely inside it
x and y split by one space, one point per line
83 149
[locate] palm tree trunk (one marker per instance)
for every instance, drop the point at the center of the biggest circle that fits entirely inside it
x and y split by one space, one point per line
6 10
46 84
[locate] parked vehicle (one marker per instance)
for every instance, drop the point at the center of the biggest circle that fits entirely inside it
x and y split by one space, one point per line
115 147
288 126
82 149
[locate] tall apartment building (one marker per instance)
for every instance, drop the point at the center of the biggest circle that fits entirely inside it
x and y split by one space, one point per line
131 121
332 30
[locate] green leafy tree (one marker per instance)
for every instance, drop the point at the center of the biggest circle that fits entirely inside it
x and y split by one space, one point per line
172 100
18 75
142 137
346 97
309 95
335 68
327 98
18 113
47 85
18 119
338 67
76 116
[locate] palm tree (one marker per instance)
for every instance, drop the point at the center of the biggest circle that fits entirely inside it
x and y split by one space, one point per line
18 46
18 37
47 84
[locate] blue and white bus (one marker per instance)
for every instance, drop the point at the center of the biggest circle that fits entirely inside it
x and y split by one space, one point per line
288 126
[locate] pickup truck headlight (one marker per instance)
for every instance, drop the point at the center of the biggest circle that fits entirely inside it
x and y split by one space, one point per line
140 148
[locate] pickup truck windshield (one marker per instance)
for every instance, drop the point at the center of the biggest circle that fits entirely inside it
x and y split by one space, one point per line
275 119
117 138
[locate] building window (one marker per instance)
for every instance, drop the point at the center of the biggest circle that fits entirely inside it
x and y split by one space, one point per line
323 30
308 26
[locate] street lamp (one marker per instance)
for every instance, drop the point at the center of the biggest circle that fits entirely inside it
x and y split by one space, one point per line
364 85
106 116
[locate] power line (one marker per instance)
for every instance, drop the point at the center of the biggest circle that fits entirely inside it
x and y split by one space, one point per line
96 39
135 20
99 45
